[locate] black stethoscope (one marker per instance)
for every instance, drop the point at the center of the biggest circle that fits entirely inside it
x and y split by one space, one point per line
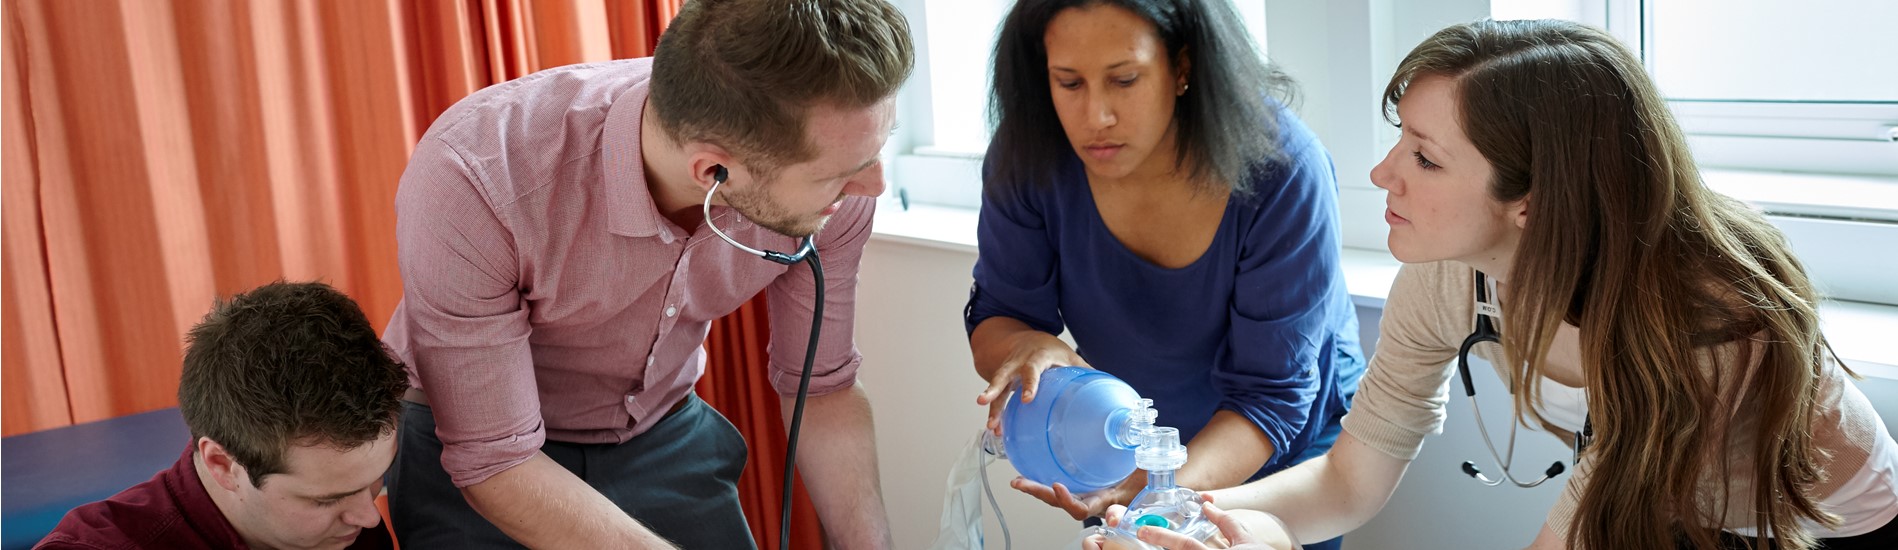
807 253
1486 314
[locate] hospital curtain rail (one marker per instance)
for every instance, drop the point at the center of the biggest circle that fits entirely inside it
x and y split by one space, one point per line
158 154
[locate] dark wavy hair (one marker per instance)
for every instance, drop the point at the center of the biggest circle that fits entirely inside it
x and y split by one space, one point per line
283 364
1228 124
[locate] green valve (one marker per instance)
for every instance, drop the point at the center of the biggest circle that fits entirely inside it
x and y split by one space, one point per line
1153 520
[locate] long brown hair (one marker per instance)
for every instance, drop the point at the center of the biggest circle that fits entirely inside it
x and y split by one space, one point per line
1699 328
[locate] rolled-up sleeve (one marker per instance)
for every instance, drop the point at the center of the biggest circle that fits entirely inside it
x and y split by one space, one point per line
1281 310
463 325
791 296
1016 274
1404 391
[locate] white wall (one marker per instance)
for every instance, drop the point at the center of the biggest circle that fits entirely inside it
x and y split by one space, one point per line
922 389
922 386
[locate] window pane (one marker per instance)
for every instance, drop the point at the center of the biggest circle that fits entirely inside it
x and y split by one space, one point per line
961 37
1504 10
1771 50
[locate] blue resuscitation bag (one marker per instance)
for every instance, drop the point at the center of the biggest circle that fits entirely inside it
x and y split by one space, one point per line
1080 430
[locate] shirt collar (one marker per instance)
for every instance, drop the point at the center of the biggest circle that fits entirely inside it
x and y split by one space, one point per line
629 209
195 504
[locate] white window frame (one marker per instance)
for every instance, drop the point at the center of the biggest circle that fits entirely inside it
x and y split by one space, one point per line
1825 173
1786 136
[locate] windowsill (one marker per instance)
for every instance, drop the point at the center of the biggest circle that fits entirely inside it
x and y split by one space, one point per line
1828 195
925 225
1860 332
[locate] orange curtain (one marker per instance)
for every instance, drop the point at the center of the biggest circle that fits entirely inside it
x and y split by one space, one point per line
736 384
161 153
158 154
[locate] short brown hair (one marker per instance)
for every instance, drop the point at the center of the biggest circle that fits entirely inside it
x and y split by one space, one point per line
741 74
288 363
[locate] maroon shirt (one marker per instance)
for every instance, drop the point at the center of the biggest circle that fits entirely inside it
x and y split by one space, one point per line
170 511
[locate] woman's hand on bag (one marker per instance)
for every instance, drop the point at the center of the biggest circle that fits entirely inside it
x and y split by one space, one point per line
1030 352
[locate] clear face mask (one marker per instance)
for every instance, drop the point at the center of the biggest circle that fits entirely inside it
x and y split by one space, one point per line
1162 504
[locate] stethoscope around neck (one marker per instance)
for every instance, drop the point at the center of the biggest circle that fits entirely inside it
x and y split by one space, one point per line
1486 314
718 177
806 253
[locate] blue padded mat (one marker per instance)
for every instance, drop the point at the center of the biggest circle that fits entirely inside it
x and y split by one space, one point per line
49 473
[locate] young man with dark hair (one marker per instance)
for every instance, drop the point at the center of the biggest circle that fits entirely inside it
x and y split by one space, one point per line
560 277
292 404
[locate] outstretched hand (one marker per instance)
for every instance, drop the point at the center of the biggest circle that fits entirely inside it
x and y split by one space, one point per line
1232 528
1080 507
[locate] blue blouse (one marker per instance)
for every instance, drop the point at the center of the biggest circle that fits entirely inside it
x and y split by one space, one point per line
1261 324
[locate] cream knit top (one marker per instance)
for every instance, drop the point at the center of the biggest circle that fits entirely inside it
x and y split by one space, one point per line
1431 310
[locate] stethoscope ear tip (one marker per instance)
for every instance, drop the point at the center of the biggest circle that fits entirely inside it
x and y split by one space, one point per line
807 248
1469 468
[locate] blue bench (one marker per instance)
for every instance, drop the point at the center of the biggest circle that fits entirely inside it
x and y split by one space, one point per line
48 473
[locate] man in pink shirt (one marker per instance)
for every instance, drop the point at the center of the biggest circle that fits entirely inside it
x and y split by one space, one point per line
560 276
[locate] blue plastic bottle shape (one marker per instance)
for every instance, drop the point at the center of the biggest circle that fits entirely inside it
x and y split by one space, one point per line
1080 430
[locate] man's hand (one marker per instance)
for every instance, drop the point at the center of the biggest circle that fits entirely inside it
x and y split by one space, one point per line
542 505
837 458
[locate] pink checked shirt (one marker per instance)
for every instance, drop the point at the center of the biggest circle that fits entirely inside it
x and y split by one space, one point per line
545 297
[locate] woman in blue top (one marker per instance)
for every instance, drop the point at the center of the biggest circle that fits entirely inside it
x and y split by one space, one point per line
1145 190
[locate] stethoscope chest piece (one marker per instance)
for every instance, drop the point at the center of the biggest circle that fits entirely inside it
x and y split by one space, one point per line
1487 312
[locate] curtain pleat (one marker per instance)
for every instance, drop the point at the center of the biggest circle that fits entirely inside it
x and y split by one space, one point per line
35 384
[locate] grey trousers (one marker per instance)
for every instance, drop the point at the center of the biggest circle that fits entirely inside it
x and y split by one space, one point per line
680 479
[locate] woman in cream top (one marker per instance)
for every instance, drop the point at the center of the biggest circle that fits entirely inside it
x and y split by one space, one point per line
1671 322
1431 310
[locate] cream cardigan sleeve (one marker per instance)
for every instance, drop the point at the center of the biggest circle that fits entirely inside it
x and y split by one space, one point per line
1401 398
